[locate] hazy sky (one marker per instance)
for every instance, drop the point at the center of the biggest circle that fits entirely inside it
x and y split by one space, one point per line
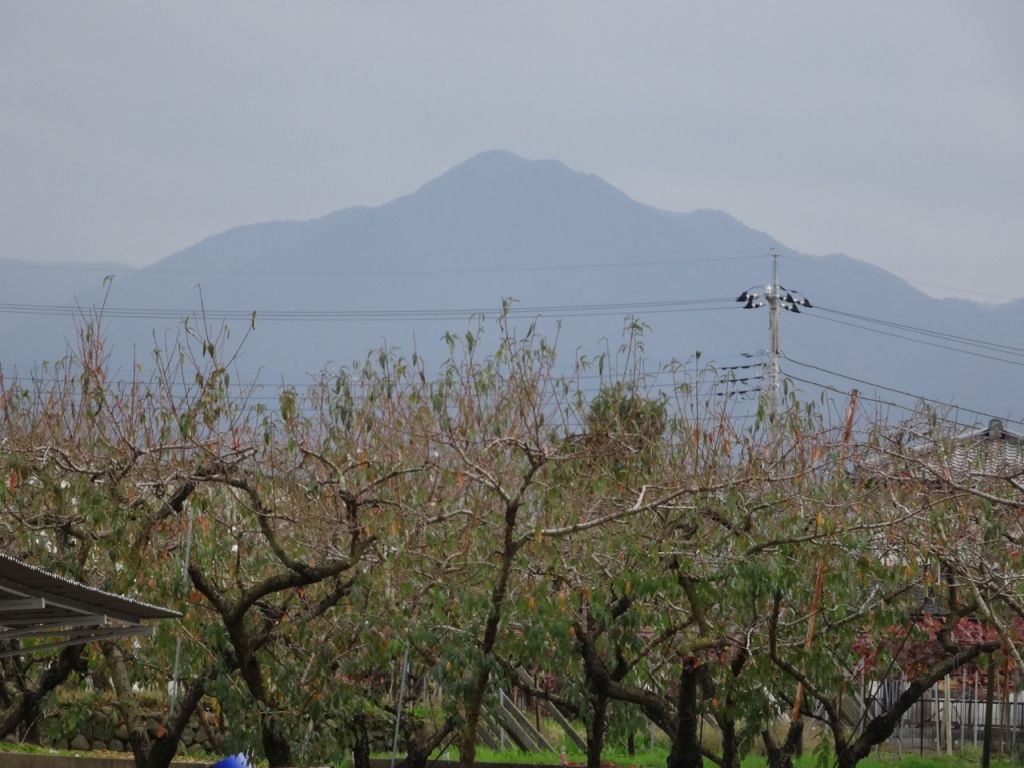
893 132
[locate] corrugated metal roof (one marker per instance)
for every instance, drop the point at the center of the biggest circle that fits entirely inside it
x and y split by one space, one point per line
37 604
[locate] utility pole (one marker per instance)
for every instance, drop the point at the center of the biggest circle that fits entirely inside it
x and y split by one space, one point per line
778 298
774 372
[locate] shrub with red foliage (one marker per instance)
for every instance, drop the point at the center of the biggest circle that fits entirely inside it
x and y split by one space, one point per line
920 647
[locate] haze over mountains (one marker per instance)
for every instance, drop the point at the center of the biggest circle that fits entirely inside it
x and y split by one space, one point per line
500 226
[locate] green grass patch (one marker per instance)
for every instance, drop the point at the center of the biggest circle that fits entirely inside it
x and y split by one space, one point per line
969 758
26 749
648 759
656 758
22 748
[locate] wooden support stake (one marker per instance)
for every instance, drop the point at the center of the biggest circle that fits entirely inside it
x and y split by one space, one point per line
819 577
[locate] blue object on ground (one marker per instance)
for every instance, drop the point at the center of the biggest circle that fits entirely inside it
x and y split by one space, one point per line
233 761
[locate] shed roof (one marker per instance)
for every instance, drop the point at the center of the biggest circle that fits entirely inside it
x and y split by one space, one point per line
37 604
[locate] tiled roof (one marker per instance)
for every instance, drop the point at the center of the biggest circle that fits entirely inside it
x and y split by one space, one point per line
991 452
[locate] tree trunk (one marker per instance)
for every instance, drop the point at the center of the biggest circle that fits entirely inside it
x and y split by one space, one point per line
475 702
880 728
730 743
160 751
781 755
847 759
471 720
273 735
23 707
596 727
361 747
685 751
276 746
418 752
16 713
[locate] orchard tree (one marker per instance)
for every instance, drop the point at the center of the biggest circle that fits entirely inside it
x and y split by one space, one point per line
94 482
901 597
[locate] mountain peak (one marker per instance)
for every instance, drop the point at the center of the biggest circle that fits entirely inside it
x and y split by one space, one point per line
501 176
501 161
494 158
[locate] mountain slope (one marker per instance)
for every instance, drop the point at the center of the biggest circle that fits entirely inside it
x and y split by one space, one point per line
500 226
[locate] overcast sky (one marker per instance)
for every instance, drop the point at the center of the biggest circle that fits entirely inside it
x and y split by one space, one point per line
893 132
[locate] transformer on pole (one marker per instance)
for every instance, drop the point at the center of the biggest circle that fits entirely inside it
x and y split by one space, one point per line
778 298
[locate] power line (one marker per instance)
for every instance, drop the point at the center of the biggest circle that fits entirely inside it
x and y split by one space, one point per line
258 392
376 315
922 341
993 345
157 270
913 395
650 379
867 398
47 371
892 404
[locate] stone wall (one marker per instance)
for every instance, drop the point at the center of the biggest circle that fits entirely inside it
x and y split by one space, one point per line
104 729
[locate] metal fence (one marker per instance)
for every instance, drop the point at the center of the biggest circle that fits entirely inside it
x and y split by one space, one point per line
950 716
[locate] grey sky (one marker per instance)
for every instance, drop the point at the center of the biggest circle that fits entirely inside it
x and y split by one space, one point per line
893 132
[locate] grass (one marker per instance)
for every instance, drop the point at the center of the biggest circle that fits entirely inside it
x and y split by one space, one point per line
649 758
25 749
655 758
22 748
966 759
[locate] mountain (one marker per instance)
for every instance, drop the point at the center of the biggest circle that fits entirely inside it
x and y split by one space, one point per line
499 226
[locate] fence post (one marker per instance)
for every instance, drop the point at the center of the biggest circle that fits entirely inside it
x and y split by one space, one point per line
963 705
974 706
1014 708
948 719
920 724
1005 709
986 744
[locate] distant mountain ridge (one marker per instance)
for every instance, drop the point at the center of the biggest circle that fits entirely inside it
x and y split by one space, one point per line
500 226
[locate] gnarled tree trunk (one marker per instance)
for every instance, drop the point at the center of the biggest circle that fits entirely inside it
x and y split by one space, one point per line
686 752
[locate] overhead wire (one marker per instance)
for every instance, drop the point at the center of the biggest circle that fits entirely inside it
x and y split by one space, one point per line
915 396
377 315
157 270
867 398
613 372
910 409
931 332
890 328
706 387
258 392
936 345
